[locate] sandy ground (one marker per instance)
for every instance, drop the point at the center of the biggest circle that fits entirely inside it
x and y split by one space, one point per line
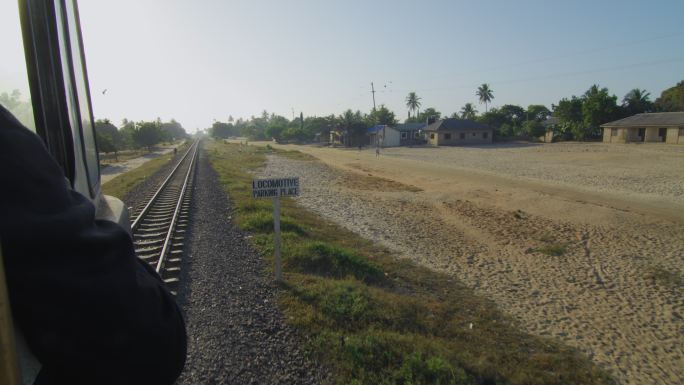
112 170
485 214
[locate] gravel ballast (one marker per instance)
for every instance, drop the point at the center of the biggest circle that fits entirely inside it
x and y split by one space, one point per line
236 333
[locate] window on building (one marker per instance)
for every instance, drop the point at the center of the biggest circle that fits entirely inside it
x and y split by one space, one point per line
681 132
447 136
485 135
432 136
613 131
462 136
404 135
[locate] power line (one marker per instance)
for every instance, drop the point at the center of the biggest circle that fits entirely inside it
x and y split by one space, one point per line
551 76
569 55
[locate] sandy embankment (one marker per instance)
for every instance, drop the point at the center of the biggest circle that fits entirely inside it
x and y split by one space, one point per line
616 220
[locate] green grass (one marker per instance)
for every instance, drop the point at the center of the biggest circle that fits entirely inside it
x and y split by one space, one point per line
665 277
375 319
124 183
554 249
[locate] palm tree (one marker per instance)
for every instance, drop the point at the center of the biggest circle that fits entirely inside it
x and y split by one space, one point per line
468 111
485 94
413 103
637 101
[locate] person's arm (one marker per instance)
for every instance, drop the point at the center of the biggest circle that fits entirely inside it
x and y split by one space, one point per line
91 311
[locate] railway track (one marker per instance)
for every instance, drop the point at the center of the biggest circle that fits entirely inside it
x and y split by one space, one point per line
159 227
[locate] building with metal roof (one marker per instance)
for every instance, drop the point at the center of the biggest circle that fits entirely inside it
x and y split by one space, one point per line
667 127
455 132
383 136
411 133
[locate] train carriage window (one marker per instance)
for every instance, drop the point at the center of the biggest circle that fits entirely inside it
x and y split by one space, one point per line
76 81
14 87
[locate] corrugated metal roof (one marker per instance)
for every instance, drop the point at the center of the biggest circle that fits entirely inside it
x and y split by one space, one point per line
653 119
452 124
376 128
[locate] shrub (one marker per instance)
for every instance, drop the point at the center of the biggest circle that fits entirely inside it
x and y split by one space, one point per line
328 260
417 370
262 222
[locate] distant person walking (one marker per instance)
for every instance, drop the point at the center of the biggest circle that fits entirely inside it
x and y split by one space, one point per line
377 151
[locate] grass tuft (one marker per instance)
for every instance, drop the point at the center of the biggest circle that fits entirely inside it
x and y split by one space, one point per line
554 249
320 258
665 277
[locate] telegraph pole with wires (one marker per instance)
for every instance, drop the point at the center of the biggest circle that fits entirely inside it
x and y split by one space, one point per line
373 92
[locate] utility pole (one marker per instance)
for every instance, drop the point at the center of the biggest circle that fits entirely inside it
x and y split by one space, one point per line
373 92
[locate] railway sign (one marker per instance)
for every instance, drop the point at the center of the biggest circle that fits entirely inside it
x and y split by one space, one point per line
275 188
278 187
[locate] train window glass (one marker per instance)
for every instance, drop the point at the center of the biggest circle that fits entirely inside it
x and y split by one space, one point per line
76 84
14 87
83 94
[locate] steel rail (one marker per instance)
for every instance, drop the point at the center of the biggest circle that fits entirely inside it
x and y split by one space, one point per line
176 213
149 204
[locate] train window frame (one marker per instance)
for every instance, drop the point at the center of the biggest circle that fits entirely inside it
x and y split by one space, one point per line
78 90
41 49
52 83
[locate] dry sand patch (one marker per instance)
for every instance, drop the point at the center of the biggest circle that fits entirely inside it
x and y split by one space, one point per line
597 295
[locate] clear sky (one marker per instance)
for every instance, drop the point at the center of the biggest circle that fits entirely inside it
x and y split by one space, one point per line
201 60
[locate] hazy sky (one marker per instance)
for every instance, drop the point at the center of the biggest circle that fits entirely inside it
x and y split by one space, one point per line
201 60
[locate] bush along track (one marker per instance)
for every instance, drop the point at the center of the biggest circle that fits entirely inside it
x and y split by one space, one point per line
375 319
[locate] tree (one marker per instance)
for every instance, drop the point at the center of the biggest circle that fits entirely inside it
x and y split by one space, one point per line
671 100
514 114
429 113
105 144
568 110
496 120
598 107
108 137
569 115
485 94
468 111
382 115
533 128
173 130
220 130
126 134
147 134
353 124
537 112
636 101
276 125
413 103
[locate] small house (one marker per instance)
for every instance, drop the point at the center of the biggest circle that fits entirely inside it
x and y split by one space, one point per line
667 127
384 136
456 132
410 133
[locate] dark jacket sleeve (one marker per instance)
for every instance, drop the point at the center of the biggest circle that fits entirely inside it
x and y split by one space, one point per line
91 311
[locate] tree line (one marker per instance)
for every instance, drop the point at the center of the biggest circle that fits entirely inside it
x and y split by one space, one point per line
134 135
576 117
301 129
